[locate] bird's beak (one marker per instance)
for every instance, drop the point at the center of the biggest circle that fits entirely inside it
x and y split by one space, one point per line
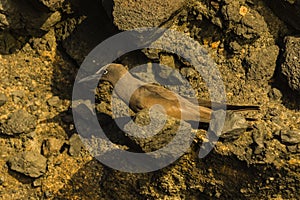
93 77
89 78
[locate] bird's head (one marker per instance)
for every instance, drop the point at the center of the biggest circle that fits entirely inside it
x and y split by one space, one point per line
111 73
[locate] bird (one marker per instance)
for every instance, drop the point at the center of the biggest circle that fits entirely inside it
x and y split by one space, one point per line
146 95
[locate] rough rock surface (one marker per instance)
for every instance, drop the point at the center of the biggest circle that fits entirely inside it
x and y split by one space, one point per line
161 131
19 122
260 63
290 66
290 136
75 145
51 146
42 43
128 15
29 163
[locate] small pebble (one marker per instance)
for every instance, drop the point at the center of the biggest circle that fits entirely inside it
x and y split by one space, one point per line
54 101
75 145
51 146
19 122
1 180
29 163
290 136
17 96
37 183
275 94
3 99
243 10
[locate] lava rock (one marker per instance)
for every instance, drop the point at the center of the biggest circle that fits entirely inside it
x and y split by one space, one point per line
29 163
3 99
137 14
260 63
248 25
235 47
153 130
19 122
51 146
17 95
258 135
75 145
235 124
37 183
290 66
275 94
292 148
54 101
166 73
53 4
290 136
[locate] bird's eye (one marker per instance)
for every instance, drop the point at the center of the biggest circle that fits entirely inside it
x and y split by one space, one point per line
105 72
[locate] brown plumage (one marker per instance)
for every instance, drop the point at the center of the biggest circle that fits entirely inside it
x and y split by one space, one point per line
147 95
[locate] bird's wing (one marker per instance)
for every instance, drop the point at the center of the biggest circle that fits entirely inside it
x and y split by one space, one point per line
157 91
150 94
174 105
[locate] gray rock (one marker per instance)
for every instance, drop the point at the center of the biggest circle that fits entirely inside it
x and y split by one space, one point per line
136 14
75 145
250 26
19 122
292 148
52 19
166 71
17 95
48 194
155 131
37 183
29 163
230 11
290 66
53 5
235 124
260 63
253 25
54 101
275 94
290 136
259 135
3 99
235 47
51 146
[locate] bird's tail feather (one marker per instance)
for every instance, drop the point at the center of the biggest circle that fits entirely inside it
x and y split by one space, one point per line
242 107
217 106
